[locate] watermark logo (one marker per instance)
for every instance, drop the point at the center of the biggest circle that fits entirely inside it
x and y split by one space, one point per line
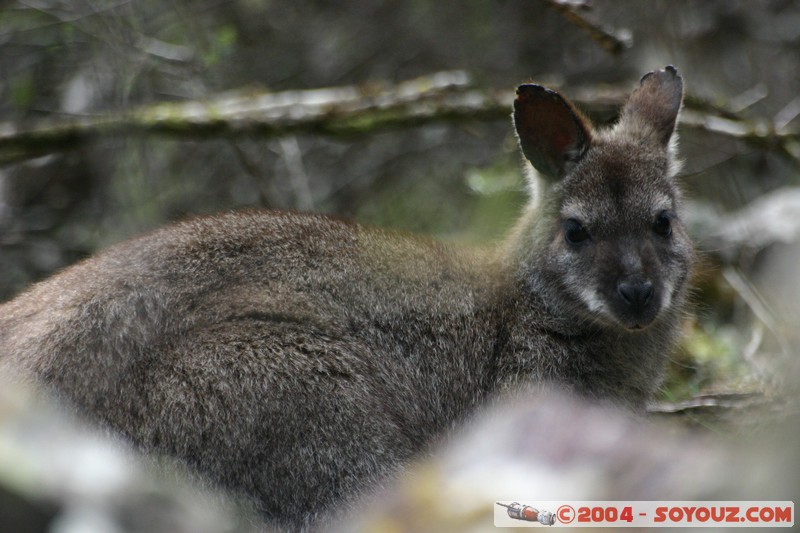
517 511
616 514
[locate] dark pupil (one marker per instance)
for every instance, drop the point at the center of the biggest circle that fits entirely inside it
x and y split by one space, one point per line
663 226
574 233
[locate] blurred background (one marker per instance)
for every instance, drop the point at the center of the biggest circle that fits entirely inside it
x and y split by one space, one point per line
70 186
459 180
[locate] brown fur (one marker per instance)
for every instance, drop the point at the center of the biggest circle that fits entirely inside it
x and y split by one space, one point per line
299 359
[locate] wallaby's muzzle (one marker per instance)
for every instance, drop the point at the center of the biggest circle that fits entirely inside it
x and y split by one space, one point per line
637 304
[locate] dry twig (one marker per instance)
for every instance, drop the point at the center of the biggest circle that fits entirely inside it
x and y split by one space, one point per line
613 41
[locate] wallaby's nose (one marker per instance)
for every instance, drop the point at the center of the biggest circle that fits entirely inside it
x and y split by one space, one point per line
636 295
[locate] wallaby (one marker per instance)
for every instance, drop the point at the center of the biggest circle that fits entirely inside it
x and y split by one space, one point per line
300 359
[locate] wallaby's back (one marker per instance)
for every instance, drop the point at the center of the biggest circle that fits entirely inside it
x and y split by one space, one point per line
224 341
299 359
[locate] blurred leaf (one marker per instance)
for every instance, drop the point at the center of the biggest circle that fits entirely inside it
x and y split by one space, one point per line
22 91
708 358
222 45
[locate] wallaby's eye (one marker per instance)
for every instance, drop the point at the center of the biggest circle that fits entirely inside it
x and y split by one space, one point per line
663 224
574 232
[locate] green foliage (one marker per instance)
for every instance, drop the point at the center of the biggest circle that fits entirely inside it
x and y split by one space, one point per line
222 44
23 90
480 212
709 358
498 193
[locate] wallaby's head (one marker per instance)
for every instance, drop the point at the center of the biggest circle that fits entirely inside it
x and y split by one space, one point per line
606 241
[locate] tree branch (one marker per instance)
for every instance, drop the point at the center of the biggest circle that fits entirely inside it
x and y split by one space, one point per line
613 41
758 133
731 409
345 111
767 220
334 111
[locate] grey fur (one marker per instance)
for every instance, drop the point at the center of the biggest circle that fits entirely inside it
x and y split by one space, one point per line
301 359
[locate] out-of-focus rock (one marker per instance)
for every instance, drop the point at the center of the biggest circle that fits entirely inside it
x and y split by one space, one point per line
59 476
548 447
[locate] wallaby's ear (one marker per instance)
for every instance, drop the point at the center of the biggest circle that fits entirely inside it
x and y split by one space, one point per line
552 133
652 109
